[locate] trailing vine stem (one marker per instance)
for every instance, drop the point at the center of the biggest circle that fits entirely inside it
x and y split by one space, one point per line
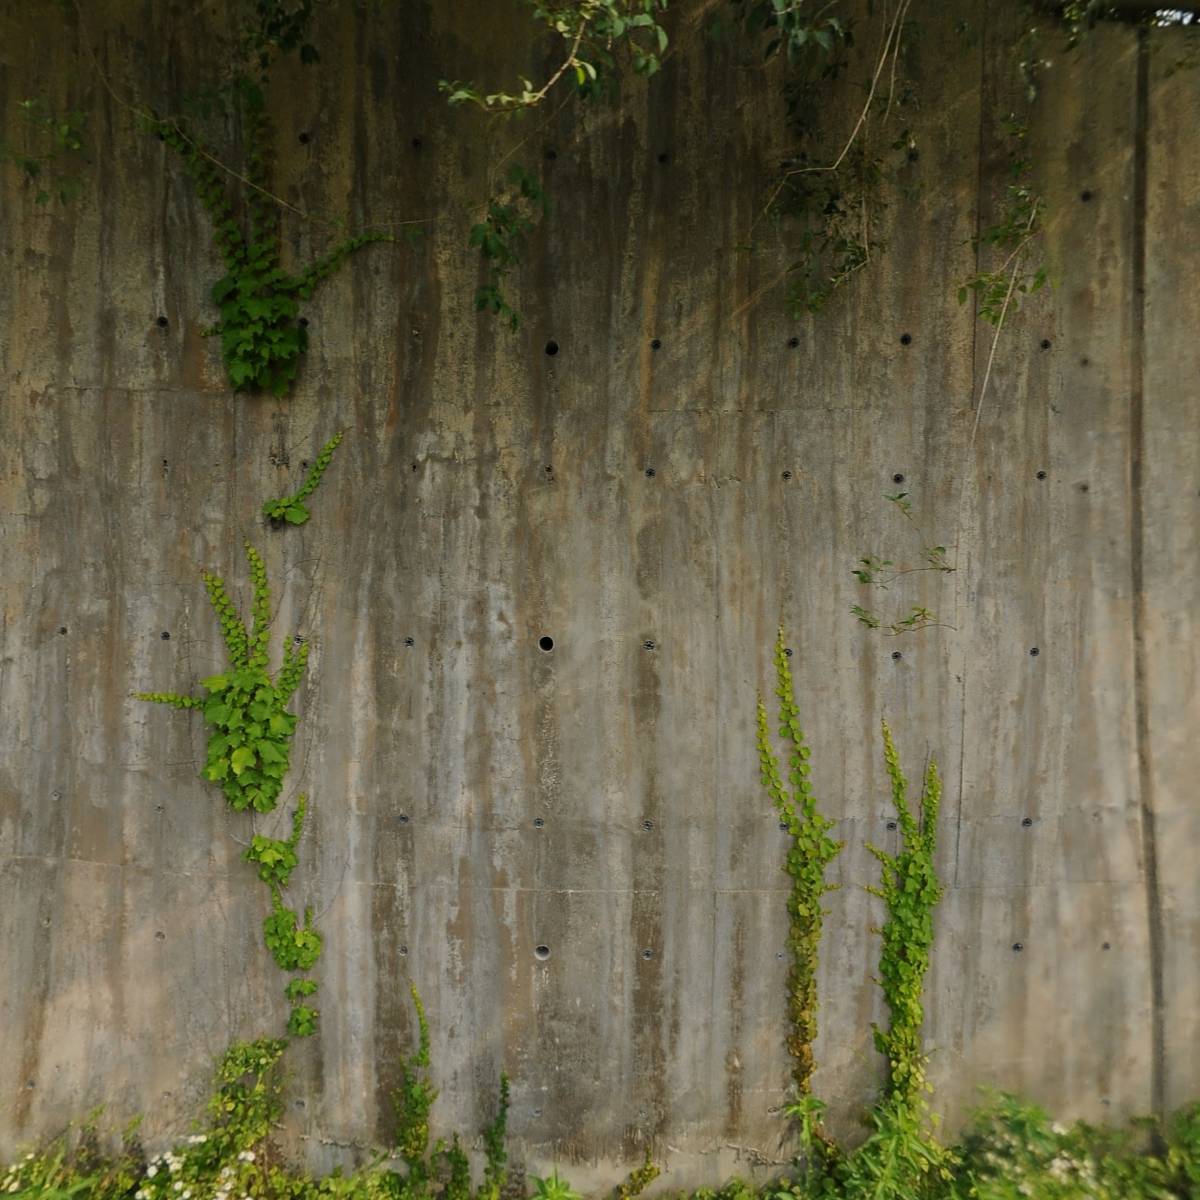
292 509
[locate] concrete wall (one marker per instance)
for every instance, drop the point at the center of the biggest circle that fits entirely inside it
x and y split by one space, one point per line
488 494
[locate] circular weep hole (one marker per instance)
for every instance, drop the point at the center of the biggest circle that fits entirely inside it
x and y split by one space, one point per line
1045 343
648 644
655 343
650 472
541 953
62 629
162 322
1018 947
403 818
166 637
552 348
545 644
788 652
1026 822
1034 652
539 822
1041 474
647 954
302 138
402 951
898 477
906 339
793 342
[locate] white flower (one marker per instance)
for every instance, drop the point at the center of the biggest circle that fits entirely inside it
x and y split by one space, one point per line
179 1185
151 1171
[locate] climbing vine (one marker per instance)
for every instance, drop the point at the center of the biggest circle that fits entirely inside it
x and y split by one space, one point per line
910 890
248 756
512 213
292 509
809 855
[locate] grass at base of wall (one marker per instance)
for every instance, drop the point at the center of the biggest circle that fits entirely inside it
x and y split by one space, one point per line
1010 1151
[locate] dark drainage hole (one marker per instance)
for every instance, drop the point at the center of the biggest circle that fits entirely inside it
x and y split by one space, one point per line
303 139
898 478
906 339
1045 343
1034 652
166 637
655 343
162 322
541 953
1018 946
1026 821
788 652
793 342
647 954
545 643
539 822
648 644
403 951
552 348
1041 474
403 818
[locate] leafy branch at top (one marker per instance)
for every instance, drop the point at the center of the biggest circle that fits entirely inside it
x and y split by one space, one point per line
594 32
292 508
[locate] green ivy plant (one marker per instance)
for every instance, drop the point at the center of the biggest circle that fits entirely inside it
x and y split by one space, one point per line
276 858
809 855
292 509
412 1102
250 743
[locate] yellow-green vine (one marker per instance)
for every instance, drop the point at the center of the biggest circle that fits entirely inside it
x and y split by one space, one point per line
292 509
809 855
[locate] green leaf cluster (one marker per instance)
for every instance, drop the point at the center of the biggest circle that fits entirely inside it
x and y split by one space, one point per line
262 338
808 858
276 858
292 509
293 946
250 743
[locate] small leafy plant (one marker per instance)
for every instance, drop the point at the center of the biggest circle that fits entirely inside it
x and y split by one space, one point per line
292 509
553 1187
276 858
500 237
876 571
53 151
293 946
249 747
1015 236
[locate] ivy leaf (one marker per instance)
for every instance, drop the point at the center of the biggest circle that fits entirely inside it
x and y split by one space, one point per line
242 758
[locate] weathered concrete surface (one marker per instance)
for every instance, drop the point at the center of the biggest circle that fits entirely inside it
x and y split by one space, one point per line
487 494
